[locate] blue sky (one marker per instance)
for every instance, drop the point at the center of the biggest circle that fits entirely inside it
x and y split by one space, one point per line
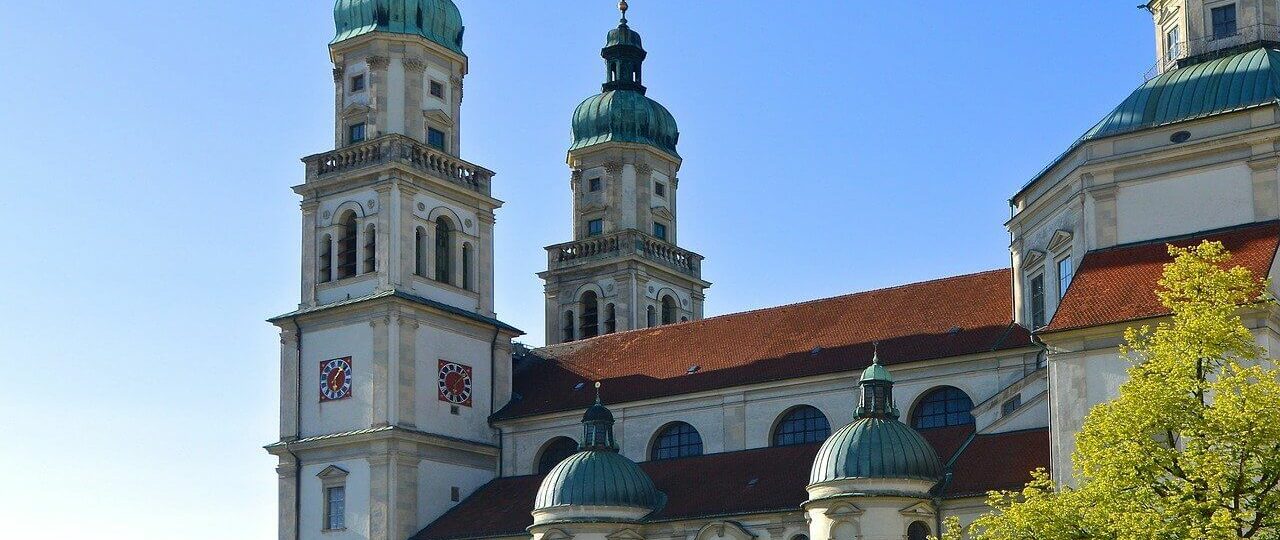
830 147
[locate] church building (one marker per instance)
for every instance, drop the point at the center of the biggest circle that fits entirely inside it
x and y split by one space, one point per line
407 411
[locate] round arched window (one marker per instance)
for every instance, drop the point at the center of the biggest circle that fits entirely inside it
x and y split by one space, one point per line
801 425
677 440
555 452
918 530
942 407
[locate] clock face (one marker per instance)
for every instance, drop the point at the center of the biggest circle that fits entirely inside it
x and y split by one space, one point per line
455 383
335 379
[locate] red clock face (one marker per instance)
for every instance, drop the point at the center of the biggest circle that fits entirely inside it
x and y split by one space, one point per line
335 379
455 383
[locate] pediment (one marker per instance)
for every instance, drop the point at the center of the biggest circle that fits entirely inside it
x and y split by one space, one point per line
662 212
332 471
556 534
918 510
724 529
438 117
843 511
587 209
624 534
1032 257
1060 238
356 109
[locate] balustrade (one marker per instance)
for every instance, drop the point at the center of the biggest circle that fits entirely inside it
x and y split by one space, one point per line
399 149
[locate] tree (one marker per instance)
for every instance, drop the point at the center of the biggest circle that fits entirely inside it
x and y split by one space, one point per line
1190 448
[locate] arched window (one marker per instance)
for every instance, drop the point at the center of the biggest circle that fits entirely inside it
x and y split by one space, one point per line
444 250
941 407
567 327
420 252
651 317
801 425
325 260
554 452
918 530
676 440
466 266
589 325
347 246
668 310
610 319
370 249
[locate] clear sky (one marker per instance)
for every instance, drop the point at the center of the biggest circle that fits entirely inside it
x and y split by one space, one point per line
830 147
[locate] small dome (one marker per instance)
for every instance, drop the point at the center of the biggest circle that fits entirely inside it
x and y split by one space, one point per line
624 116
598 478
623 35
597 413
437 20
876 448
876 372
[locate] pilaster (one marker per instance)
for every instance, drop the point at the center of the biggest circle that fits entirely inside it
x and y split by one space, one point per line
309 261
407 368
413 89
386 250
380 488
1105 218
381 378
1266 204
378 94
339 99
289 373
286 513
484 261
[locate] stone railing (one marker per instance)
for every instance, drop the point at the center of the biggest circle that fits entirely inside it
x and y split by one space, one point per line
399 149
628 242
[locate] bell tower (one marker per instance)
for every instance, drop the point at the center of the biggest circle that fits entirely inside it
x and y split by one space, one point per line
394 360
1192 31
624 269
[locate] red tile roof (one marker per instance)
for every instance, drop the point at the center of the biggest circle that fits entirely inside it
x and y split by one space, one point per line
749 481
933 319
1118 284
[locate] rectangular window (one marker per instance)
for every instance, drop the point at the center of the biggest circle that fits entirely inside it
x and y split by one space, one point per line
593 184
660 189
1224 21
335 508
355 133
437 89
435 138
455 494
595 227
1065 273
1172 44
1037 301
660 231
357 83
1011 405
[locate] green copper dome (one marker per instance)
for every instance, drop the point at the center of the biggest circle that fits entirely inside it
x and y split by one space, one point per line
624 116
436 20
598 475
622 113
877 444
598 478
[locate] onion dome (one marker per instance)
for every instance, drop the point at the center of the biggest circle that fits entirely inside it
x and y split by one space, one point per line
622 112
876 445
597 475
436 20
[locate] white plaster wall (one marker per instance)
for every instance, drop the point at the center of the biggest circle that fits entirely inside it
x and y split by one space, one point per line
356 412
1187 203
435 483
435 344
355 66
357 501
431 102
641 427
395 99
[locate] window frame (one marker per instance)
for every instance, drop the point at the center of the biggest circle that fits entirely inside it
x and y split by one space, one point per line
949 395
363 133
1215 23
807 434
329 513
1064 284
686 441
358 83
1173 43
595 227
660 189
594 184
444 142
432 86
1037 310
659 226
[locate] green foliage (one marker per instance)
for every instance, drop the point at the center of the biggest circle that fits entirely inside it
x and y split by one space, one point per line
1190 448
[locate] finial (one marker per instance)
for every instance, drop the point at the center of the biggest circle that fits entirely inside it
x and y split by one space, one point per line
598 402
622 6
875 353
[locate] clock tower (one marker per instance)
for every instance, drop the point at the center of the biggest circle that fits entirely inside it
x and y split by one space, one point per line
394 359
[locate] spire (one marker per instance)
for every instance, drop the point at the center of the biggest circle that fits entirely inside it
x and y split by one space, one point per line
597 427
623 56
877 390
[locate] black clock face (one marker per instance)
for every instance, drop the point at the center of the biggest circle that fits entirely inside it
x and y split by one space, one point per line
335 379
455 383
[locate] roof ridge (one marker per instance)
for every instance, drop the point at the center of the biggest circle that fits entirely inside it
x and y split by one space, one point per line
567 345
